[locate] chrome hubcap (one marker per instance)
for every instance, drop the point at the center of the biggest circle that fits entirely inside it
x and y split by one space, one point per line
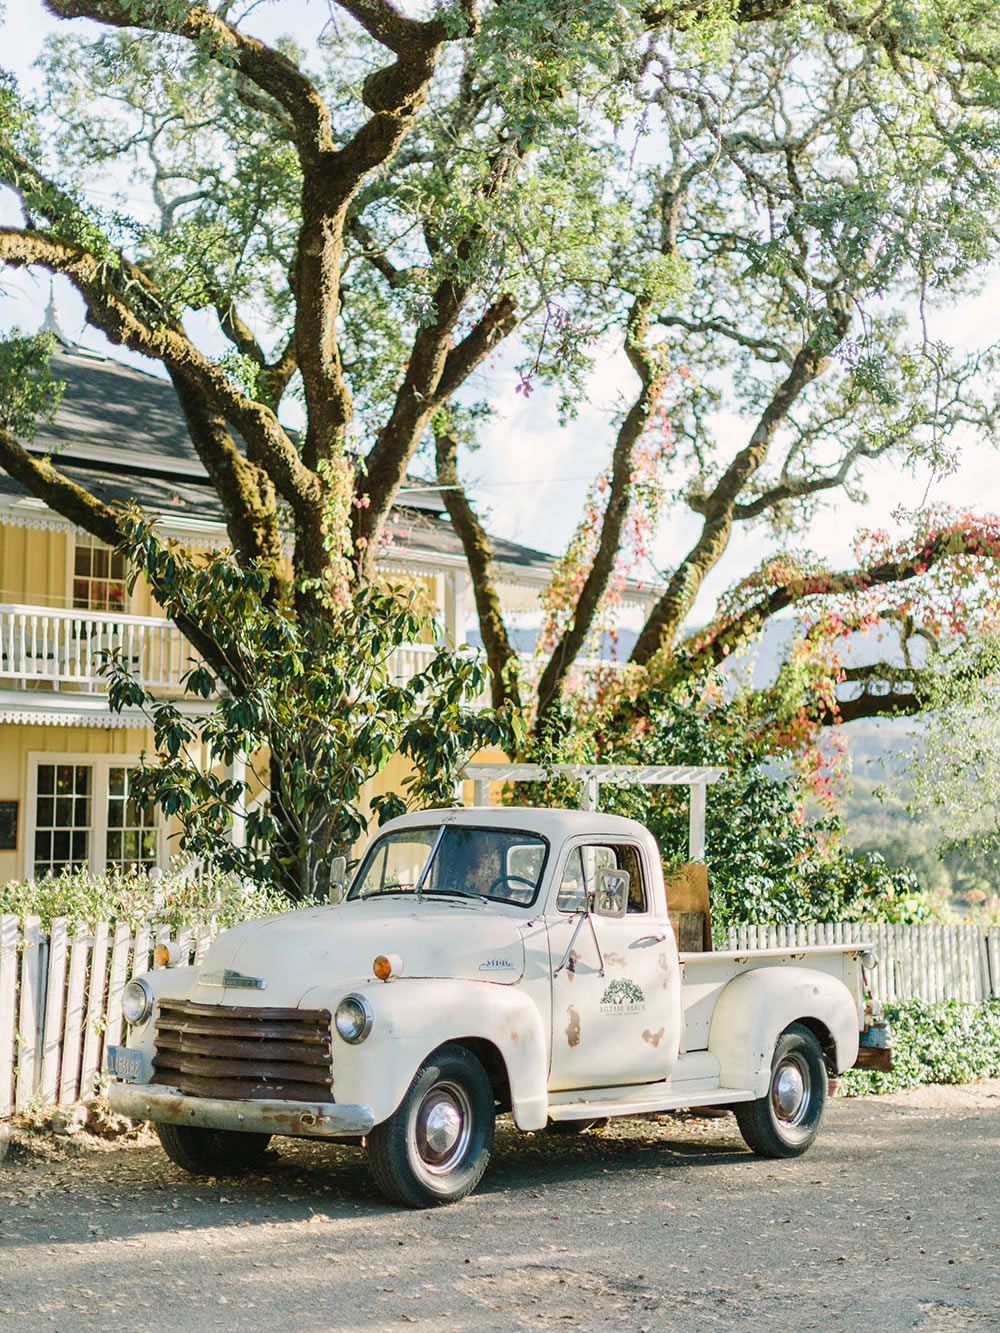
790 1091
442 1127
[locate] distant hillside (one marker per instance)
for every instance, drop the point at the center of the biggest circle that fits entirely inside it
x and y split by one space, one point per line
877 819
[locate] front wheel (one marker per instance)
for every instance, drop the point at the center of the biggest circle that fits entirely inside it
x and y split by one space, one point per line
211 1152
437 1145
784 1122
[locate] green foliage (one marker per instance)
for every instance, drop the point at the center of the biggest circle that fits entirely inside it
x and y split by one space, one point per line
765 862
29 392
319 696
953 768
934 1043
176 899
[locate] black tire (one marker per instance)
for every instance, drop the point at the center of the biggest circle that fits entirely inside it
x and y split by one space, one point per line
785 1121
437 1145
211 1152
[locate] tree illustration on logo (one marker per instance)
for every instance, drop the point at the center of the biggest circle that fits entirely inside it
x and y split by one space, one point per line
621 992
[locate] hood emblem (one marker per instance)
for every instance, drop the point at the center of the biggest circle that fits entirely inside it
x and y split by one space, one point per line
235 980
495 965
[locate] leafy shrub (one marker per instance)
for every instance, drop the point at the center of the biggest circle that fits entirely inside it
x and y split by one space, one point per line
766 863
935 1043
175 899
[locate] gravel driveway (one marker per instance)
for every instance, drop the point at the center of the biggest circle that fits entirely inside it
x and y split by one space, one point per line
891 1221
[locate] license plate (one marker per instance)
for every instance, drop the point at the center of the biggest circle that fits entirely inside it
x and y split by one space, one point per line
125 1063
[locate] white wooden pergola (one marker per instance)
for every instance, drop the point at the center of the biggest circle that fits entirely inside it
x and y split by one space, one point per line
593 776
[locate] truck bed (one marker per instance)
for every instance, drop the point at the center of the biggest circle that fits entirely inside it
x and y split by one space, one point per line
703 976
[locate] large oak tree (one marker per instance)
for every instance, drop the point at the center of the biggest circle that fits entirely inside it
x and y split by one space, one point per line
759 204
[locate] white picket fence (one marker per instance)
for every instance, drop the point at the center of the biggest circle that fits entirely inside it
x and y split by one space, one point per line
60 993
60 1002
925 962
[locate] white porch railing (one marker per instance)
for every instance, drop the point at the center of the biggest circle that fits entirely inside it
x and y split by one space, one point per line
56 648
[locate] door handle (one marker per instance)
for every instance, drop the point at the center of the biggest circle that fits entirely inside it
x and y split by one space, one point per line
648 939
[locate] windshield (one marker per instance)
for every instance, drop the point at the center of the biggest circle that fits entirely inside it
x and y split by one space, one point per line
502 864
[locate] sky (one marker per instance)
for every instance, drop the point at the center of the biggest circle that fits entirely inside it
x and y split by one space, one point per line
531 477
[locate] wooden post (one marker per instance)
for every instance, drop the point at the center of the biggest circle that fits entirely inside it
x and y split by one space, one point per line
95 1011
696 822
69 1077
29 1013
8 1000
238 774
54 1007
119 974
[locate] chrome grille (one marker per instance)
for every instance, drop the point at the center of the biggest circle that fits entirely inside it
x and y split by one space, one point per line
242 1053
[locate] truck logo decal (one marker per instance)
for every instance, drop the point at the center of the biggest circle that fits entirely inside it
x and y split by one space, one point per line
495 965
622 997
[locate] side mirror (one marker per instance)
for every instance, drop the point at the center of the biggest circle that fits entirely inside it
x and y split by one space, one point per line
338 873
610 898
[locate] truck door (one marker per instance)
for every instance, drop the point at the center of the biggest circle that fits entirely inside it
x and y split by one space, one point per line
619 1025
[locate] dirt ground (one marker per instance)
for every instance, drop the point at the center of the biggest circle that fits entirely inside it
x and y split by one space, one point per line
43 1137
665 1224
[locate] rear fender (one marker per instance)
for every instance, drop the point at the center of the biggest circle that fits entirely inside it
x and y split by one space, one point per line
754 1009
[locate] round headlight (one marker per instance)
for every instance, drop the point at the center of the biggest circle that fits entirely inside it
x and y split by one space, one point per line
354 1018
137 1001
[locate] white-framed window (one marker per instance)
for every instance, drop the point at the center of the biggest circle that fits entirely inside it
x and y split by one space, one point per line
98 582
80 813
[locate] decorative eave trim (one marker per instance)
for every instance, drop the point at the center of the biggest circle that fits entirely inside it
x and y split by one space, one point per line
91 710
45 520
105 721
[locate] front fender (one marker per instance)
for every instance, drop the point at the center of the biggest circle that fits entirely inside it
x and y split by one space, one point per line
754 1009
414 1016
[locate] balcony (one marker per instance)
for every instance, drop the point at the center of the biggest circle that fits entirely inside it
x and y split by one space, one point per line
42 648
45 648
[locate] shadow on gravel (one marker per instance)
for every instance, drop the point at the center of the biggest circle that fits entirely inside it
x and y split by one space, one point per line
136 1190
339 1176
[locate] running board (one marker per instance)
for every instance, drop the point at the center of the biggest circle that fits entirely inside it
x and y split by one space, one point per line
644 1100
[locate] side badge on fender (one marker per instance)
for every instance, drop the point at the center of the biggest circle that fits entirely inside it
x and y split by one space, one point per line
235 980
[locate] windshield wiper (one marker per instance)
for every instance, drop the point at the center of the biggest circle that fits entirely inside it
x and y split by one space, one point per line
456 893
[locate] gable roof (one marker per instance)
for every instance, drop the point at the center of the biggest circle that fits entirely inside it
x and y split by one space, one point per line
120 433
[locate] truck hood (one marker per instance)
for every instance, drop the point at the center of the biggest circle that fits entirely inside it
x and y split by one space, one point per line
298 951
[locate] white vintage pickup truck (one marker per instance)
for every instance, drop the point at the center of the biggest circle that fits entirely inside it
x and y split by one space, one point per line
482 960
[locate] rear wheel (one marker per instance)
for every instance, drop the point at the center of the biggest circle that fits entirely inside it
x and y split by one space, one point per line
784 1122
437 1145
211 1152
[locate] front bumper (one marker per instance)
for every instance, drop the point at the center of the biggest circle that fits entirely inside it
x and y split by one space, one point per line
314 1120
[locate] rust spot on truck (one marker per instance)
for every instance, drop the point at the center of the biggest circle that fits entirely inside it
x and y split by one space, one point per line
615 959
571 963
653 1038
573 1027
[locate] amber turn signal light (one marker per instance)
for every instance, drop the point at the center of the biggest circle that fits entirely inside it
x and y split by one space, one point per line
387 965
166 955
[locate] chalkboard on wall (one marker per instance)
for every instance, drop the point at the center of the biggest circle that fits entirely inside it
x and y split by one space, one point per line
8 826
